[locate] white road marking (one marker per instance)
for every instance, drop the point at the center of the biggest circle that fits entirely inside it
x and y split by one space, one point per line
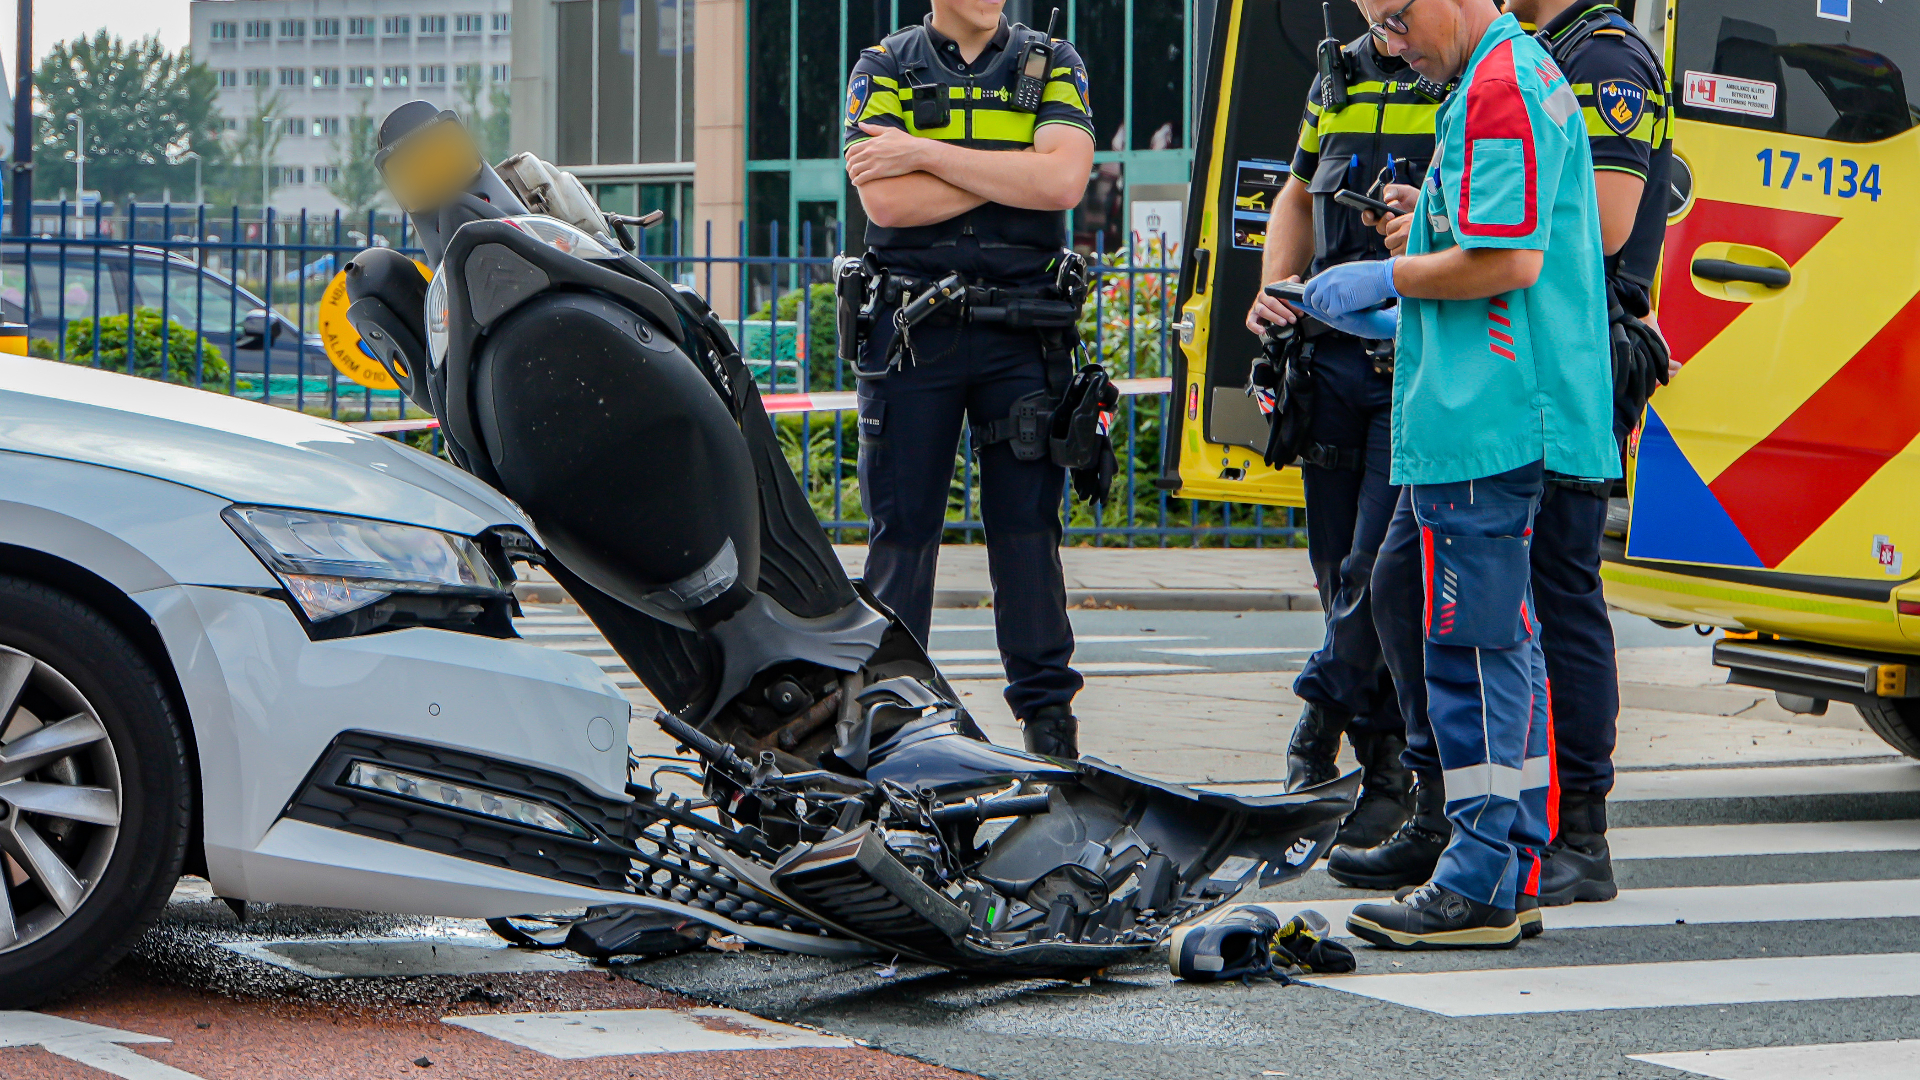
975 671
338 958
606 1033
1702 904
1516 991
88 1044
1766 783
1897 1060
1800 838
1225 650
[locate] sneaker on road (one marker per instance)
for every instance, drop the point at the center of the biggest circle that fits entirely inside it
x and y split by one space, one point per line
1434 917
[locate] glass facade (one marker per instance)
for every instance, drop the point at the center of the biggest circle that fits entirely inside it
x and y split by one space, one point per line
1139 55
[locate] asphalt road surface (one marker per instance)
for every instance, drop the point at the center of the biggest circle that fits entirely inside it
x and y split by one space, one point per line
1768 928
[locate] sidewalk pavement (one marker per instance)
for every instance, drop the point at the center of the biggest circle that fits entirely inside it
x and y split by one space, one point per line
1156 579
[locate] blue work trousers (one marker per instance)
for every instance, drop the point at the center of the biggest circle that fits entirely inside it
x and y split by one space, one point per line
910 426
1454 609
1347 514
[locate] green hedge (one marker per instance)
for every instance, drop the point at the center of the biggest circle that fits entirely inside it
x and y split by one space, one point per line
180 348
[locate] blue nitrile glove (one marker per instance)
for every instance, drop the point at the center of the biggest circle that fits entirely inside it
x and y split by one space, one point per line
1354 286
1380 324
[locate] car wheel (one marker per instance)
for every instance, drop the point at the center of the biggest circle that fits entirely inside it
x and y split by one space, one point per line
1897 720
95 800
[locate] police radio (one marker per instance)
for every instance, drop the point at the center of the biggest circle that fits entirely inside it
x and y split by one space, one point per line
1036 59
1333 64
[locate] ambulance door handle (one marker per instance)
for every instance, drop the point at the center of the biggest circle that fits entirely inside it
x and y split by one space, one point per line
1773 277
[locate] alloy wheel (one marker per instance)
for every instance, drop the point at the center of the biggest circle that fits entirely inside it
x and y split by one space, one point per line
60 798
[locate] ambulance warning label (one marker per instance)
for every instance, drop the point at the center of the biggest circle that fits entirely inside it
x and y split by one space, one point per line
1749 97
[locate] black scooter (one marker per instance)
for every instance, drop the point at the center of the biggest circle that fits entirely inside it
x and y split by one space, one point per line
845 786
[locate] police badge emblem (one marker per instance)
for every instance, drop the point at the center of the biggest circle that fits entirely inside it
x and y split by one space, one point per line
858 91
1620 103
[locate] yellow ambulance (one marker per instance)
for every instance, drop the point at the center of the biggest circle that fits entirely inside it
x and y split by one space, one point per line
1775 484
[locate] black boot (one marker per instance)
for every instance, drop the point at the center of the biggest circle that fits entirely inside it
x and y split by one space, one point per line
1052 732
1386 790
1409 855
1578 865
1315 745
1432 917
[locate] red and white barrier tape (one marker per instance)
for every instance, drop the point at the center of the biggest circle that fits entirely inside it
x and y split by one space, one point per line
831 401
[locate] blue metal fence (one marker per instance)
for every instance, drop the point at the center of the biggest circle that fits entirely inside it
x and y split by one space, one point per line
246 292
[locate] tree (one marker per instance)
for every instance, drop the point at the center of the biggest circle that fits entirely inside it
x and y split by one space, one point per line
255 148
143 107
491 127
356 182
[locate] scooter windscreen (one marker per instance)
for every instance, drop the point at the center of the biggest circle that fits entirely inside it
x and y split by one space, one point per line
845 787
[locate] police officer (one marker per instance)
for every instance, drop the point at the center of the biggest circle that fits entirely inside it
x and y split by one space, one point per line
967 138
1379 131
1618 79
1618 84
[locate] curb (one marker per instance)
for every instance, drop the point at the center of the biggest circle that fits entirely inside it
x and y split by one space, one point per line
537 592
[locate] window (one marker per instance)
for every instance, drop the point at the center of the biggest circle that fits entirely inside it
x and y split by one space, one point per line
293 28
326 174
288 175
360 76
326 127
433 74
228 123
394 76
396 25
433 24
193 299
469 24
466 73
502 23
501 72
229 78
258 77
293 127
1801 70
326 78
223 31
326 28
293 76
259 29
360 27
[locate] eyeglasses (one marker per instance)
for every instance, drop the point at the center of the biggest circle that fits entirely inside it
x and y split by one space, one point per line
1396 22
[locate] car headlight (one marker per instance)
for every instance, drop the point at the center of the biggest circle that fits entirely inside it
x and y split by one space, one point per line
332 564
561 236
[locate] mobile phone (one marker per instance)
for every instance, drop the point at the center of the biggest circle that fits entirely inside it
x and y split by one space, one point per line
1293 292
1362 202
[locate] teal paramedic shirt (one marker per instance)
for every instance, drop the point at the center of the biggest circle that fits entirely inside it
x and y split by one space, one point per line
1483 386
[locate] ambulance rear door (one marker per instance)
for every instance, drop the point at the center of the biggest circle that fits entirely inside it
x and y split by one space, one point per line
1783 453
1259 64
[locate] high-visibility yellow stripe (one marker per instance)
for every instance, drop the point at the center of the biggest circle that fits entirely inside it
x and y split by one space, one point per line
1585 90
1065 92
1309 137
882 80
881 103
1003 125
1400 119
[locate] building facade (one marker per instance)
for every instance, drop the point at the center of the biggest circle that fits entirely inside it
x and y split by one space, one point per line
313 66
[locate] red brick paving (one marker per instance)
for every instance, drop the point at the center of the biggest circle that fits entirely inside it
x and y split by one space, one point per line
223 1038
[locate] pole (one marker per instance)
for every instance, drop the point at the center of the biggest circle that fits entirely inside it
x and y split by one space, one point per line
79 157
23 123
199 190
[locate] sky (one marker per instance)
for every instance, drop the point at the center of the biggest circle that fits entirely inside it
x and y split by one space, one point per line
61 20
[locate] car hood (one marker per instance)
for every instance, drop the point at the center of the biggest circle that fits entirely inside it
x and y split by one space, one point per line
236 449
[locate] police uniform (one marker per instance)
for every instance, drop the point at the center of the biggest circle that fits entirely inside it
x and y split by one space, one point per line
1384 129
911 419
1619 84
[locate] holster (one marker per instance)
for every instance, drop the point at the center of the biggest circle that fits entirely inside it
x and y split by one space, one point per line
1285 372
852 314
1081 434
1640 359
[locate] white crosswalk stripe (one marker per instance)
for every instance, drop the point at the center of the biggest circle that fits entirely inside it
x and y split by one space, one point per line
1895 1060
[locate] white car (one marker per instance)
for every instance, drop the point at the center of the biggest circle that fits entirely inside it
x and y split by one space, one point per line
244 643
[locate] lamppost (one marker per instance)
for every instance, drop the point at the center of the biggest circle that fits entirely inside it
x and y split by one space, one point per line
199 193
79 157
23 121
266 166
